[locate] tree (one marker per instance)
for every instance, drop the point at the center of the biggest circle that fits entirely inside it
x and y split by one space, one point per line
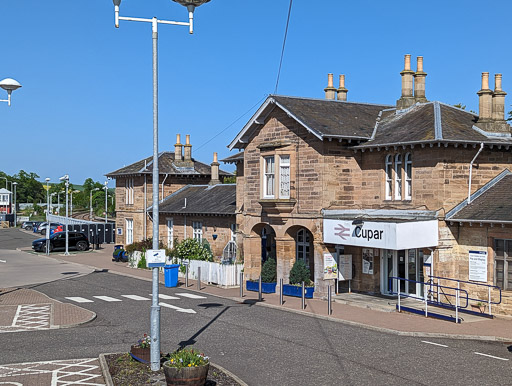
509 116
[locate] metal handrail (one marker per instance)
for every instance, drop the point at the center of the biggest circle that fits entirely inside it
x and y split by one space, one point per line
490 287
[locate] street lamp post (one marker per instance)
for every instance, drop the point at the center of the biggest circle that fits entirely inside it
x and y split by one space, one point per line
155 307
47 216
14 184
9 85
90 201
66 178
73 191
106 205
5 178
51 201
58 202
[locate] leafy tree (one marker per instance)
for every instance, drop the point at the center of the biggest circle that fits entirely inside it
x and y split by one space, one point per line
509 116
300 273
269 271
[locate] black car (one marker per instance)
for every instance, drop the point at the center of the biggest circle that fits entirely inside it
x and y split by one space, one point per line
77 241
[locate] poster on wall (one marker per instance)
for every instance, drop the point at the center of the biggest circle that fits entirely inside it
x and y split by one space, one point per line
330 267
368 261
478 266
344 267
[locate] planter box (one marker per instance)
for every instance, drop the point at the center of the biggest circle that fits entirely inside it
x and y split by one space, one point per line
293 290
266 288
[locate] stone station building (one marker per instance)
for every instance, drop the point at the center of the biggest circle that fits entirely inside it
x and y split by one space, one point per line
381 188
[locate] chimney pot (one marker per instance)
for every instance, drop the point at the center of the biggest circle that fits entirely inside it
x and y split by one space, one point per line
407 62
498 105
215 171
485 81
485 100
342 91
419 63
419 81
178 154
497 82
188 149
407 98
330 91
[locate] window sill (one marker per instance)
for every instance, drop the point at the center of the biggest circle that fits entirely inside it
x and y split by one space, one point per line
277 205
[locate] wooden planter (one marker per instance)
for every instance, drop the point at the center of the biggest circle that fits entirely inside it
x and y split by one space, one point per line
141 354
189 376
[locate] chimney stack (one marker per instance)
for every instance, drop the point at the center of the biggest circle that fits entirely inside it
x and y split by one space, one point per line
485 100
188 149
342 91
407 98
177 149
498 100
330 91
215 171
419 82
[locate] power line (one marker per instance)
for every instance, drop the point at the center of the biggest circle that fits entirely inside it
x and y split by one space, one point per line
284 43
232 123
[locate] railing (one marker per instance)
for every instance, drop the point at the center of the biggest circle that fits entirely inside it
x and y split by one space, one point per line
489 287
457 296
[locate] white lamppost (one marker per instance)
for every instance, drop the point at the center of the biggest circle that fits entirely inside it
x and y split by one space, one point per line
106 205
51 201
90 201
47 215
155 307
14 184
58 202
9 85
73 191
66 178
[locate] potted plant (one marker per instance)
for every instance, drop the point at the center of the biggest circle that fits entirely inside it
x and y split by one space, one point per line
186 367
141 351
268 278
480 307
298 274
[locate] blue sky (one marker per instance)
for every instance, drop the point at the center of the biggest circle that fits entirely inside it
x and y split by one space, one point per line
85 108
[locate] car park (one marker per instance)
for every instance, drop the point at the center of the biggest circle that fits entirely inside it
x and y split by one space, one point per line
77 240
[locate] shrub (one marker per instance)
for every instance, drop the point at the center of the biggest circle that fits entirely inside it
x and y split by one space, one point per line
142 246
268 271
193 250
142 262
300 273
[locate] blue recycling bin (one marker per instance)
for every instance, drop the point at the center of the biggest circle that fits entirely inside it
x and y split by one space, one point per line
171 275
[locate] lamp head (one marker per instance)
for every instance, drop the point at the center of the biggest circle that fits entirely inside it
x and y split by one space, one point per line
47 179
9 84
117 2
15 183
64 178
193 3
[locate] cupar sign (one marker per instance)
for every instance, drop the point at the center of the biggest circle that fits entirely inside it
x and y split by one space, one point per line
386 235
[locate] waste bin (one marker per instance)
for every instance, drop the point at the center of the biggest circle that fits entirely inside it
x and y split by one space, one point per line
171 275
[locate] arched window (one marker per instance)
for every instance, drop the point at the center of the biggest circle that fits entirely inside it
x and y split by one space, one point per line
302 246
408 176
389 176
398 177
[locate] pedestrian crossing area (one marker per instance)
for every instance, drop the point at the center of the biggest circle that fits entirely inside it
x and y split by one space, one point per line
111 299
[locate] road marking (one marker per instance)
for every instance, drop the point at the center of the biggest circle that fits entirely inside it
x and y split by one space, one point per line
107 298
185 310
80 300
3 261
191 296
166 297
435 344
134 297
491 356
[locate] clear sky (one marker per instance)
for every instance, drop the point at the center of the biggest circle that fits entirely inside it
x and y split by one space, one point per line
85 107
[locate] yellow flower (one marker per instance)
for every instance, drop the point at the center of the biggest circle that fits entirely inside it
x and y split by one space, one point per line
172 360
189 365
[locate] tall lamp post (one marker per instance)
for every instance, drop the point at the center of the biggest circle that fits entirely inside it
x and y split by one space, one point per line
9 85
73 191
106 204
51 201
47 216
66 178
90 201
14 184
155 307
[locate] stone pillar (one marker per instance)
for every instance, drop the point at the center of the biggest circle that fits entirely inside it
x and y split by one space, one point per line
498 100
342 91
407 98
419 82
330 91
178 156
188 149
252 257
215 171
285 253
485 100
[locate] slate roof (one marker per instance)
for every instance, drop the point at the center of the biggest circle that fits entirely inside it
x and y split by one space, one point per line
324 118
217 199
431 122
489 204
233 159
166 165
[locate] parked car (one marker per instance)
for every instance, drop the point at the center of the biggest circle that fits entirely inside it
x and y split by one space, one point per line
42 227
30 225
77 241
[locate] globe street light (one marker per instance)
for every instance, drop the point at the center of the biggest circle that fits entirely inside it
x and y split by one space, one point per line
66 178
9 85
155 307
47 216
90 201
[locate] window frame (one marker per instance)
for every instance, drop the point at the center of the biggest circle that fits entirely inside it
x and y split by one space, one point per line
398 176
507 264
129 231
305 244
129 197
388 170
283 166
197 230
269 175
170 232
408 176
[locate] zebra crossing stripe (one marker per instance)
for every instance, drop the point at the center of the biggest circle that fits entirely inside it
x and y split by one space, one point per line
80 300
166 297
191 296
107 299
179 309
134 297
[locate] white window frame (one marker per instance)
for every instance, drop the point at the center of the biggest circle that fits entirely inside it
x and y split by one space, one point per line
269 176
398 176
389 176
170 232
233 232
408 176
507 265
197 230
129 231
129 191
284 176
